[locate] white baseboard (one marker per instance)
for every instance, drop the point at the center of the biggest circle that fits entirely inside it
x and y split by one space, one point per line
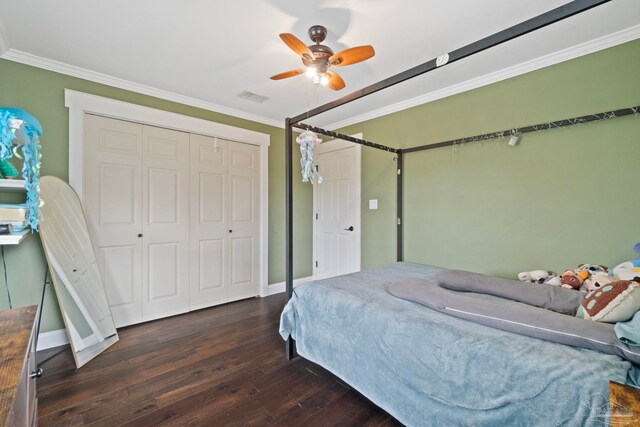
52 339
278 288
59 337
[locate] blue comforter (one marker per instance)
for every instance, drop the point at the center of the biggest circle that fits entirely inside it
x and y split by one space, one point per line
429 369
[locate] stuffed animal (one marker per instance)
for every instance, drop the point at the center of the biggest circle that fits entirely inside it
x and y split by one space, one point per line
592 268
553 281
573 279
597 281
539 276
629 270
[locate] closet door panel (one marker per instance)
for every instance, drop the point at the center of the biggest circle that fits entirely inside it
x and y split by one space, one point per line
244 199
211 264
209 222
163 270
242 261
120 274
113 210
165 278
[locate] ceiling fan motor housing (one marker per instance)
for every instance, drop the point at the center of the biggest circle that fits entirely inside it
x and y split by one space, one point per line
321 53
317 33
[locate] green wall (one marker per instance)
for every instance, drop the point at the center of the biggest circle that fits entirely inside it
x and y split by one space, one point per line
41 93
559 198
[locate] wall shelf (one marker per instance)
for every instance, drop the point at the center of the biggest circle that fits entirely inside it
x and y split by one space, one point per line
14 238
13 185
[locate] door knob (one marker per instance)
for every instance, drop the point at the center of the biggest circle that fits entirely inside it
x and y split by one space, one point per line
139 234
349 229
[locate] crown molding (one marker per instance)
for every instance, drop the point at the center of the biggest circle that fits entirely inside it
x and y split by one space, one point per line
592 46
83 73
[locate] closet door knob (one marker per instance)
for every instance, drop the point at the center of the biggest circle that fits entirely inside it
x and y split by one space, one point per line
230 231
139 234
349 229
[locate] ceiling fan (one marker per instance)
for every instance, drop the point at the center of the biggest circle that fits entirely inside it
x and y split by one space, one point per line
318 58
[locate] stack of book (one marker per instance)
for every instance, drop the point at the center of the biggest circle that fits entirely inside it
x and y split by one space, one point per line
13 218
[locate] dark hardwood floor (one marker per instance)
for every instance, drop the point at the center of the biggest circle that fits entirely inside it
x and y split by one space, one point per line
221 366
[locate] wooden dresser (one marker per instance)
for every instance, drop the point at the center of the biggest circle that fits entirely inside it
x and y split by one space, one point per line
18 403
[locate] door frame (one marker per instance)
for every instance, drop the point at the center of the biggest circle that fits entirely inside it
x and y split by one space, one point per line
327 147
80 103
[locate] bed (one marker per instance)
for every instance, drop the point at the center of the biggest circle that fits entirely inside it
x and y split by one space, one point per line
428 368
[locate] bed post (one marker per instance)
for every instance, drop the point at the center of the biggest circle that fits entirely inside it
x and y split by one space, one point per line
399 219
288 141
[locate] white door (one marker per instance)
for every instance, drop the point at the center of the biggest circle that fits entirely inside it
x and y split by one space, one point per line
337 209
225 227
209 218
113 206
244 220
175 222
165 212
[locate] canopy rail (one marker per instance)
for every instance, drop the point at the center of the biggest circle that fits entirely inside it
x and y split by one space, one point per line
344 137
532 128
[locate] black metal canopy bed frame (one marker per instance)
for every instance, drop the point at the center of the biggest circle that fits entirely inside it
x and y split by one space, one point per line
355 356
555 15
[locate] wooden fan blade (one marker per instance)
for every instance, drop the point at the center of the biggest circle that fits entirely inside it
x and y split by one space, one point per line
288 74
335 81
352 56
296 45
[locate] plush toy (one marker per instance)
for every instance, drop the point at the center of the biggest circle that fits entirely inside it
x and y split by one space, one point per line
629 270
553 281
573 279
592 268
539 276
597 281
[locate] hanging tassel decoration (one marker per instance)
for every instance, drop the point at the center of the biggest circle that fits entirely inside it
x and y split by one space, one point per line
307 141
20 131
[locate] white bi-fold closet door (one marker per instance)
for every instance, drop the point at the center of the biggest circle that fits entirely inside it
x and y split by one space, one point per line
225 223
160 205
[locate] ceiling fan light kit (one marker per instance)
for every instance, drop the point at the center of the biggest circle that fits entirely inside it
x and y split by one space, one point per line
318 58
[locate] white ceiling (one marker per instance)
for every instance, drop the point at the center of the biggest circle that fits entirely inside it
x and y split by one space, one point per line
205 52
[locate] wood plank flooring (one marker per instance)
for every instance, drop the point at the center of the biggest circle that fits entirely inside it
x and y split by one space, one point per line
222 366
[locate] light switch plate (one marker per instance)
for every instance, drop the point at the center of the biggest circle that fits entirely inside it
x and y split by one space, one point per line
373 204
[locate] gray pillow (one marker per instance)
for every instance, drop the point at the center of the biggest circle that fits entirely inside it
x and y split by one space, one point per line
553 298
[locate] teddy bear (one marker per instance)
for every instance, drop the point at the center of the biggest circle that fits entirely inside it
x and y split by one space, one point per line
629 270
540 276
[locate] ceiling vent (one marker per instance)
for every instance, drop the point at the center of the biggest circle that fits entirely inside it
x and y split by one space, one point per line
245 94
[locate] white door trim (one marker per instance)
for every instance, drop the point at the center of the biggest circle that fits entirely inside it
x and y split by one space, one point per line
335 145
80 103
